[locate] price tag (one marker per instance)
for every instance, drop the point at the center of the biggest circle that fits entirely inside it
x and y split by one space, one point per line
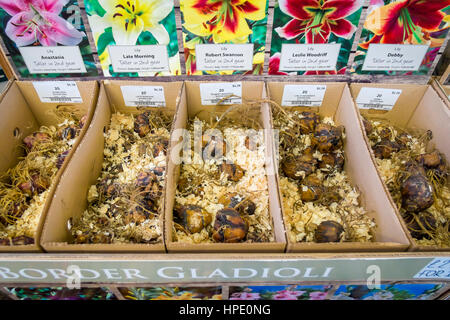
60 59
143 96
439 268
377 98
394 57
213 93
224 57
58 91
303 95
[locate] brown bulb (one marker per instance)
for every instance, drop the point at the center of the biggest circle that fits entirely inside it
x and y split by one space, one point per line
233 171
142 124
229 226
194 218
327 138
329 231
367 126
308 122
293 166
332 162
385 148
311 189
237 202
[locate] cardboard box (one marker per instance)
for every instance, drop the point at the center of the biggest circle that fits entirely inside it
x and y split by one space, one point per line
191 106
418 107
22 113
70 199
338 104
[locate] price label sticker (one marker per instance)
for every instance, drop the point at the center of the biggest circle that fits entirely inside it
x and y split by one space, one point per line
224 92
58 91
439 268
143 96
303 95
377 98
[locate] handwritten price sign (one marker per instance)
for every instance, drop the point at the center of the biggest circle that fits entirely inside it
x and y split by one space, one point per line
439 268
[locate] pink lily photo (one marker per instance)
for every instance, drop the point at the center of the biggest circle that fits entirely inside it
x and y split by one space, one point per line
38 21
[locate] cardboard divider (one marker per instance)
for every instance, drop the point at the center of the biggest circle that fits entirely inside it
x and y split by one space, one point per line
418 107
21 114
190 106
389 234
70 199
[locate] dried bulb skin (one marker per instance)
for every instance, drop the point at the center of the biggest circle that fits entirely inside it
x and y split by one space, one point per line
327 138
308 122
142 124
229 226
193 218
417 192
403 140
36 138
328 231
61 158
108 189
213 146
22 240
161 145
385 148
367 126
68 133
311 189
333 161
137 216
82 121
149 184
293 166
233 171
237 202
36 185
417 231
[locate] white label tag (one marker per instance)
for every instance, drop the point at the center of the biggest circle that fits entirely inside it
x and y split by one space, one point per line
213 93
148 58
377 98
394 57
439 268
58 91
303 95
224 57
143 96
63 59
305 57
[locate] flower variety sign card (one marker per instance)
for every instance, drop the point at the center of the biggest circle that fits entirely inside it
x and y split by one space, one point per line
135 38
402 37
313 37
46 38
224 36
